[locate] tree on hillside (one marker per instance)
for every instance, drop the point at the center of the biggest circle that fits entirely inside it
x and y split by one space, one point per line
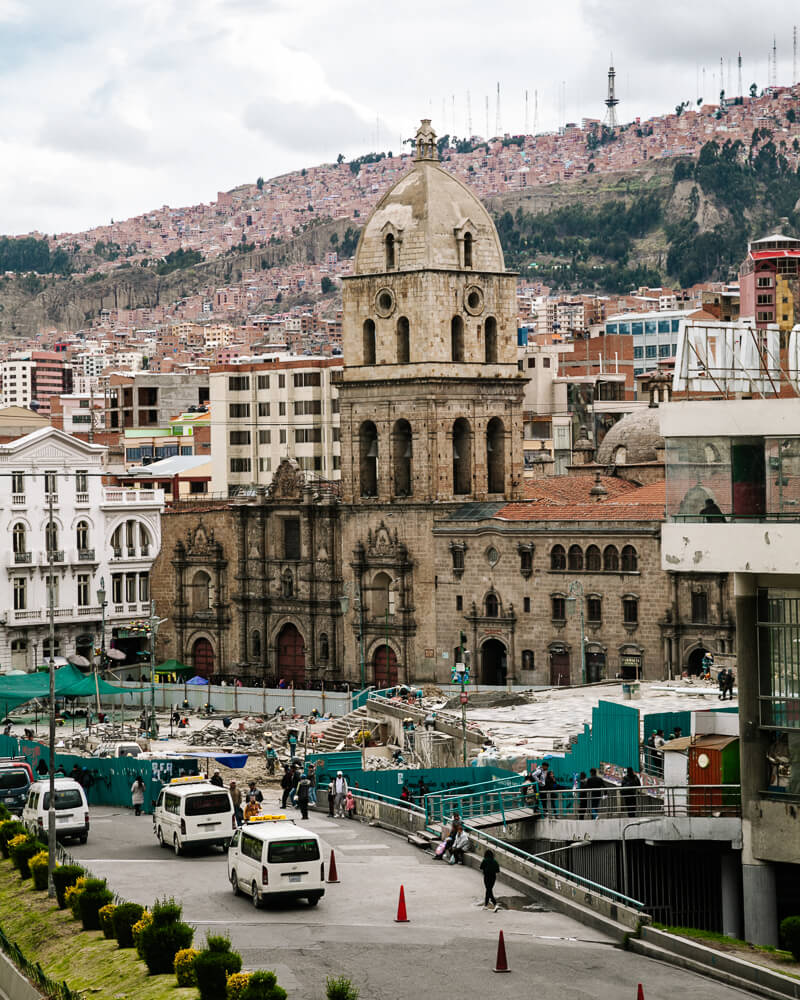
753 90
326 285
260 183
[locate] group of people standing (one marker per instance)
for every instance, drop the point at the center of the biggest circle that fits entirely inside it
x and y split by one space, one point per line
298 787
725 681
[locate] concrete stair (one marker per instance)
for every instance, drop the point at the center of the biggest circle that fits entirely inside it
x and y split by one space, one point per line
335 735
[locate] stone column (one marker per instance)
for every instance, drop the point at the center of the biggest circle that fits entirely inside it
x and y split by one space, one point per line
731 900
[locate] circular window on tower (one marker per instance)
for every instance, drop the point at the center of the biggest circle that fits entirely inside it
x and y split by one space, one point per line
473 300
384 302
492 556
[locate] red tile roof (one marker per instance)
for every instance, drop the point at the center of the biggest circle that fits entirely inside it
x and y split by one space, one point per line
567 498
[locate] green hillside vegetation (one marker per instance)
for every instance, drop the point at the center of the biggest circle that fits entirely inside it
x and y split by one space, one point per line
29 254
589 247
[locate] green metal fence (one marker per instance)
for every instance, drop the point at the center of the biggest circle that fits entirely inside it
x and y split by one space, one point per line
49 987
109 779
612 738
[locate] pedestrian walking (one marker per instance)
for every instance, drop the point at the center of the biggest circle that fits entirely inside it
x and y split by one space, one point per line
583 796
629 783
490 869
252 808
286 785
349 804
137 795
271 756
331 795
312 784
236 799
595 786
303 786
253 791
217 780
340 790
730 680
722 682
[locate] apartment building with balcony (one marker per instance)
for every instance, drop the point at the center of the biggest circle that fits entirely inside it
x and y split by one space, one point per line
265 409
96 534
733 506
150 399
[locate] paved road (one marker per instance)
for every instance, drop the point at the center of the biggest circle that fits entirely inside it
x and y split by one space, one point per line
447 949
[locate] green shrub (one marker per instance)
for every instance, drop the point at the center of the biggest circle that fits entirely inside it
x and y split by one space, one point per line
790 935
163 937
213 966
184 966
125 916
136 931
4 813
38 866
264 986
65 876
72 896
94 897
8 829
237 984
340 989
106 915
21 849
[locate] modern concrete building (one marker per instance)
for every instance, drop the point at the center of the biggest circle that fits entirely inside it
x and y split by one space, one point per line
99 534
733 507
265 409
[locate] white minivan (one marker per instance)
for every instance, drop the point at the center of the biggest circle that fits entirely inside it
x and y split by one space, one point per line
270 855
72 809
193 811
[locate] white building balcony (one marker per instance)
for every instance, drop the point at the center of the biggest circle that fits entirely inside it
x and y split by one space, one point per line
116 496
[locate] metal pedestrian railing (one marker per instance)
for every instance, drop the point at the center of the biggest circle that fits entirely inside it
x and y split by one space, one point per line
475 800
608 802
49 987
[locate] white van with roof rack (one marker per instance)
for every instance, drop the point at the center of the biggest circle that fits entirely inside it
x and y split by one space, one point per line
192 810
272 856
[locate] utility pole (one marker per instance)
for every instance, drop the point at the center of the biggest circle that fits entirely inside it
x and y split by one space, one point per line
51 812
154 623
461 676
91 413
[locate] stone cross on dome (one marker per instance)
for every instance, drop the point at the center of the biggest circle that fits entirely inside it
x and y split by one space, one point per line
425 142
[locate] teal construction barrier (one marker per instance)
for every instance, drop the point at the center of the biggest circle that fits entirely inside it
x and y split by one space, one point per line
612 738
667 721
109 778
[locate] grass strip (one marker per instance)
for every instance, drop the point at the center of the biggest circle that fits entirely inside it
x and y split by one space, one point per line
84 959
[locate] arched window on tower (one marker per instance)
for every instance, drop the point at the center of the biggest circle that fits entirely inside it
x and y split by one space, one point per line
19 540
368 442
490 340
390 256
82 536
462 457
402 449
575 558
457 338
201 591
467 250
403 341
369 342
495 456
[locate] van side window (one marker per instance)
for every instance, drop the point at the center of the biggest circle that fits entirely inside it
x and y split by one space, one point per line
160 802
251 847
172 804
235 839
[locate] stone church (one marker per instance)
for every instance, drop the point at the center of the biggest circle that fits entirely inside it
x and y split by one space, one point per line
433 540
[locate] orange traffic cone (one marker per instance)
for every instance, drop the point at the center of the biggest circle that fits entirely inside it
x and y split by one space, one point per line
502 962
640 993
402 916
333 875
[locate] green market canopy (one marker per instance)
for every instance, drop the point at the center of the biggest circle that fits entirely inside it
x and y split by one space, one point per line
173 667
70 682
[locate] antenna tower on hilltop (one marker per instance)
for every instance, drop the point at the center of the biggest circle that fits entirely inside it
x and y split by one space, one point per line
739 92
611 100
535 111
497 122
794 55
774 71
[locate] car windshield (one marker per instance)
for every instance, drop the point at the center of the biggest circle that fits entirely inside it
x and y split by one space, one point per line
66 798
208 802
282 851
15 778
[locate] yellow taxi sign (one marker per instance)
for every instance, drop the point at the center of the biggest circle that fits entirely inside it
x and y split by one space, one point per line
192 779
266 819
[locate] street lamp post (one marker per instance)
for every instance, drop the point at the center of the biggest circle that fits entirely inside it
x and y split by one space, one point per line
51 812
101 600
155 621
576 591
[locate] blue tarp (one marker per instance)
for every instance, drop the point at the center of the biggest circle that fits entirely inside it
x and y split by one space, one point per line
197 680
226 759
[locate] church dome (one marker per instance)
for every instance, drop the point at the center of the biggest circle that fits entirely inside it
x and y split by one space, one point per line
429 219
633 440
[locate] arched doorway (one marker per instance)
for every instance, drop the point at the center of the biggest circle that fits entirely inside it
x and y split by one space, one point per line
695 662
291 655
494 662
384 665
595 665
203 658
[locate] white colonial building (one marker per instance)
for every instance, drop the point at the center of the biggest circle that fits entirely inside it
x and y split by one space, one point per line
99 535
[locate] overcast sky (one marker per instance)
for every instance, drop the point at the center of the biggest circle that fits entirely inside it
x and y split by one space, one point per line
109 108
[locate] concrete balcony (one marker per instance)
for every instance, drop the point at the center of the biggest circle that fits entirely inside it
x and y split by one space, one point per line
115 497
22 558
86 555
731 547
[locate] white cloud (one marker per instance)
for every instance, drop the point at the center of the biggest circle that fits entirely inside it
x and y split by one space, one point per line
111 109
